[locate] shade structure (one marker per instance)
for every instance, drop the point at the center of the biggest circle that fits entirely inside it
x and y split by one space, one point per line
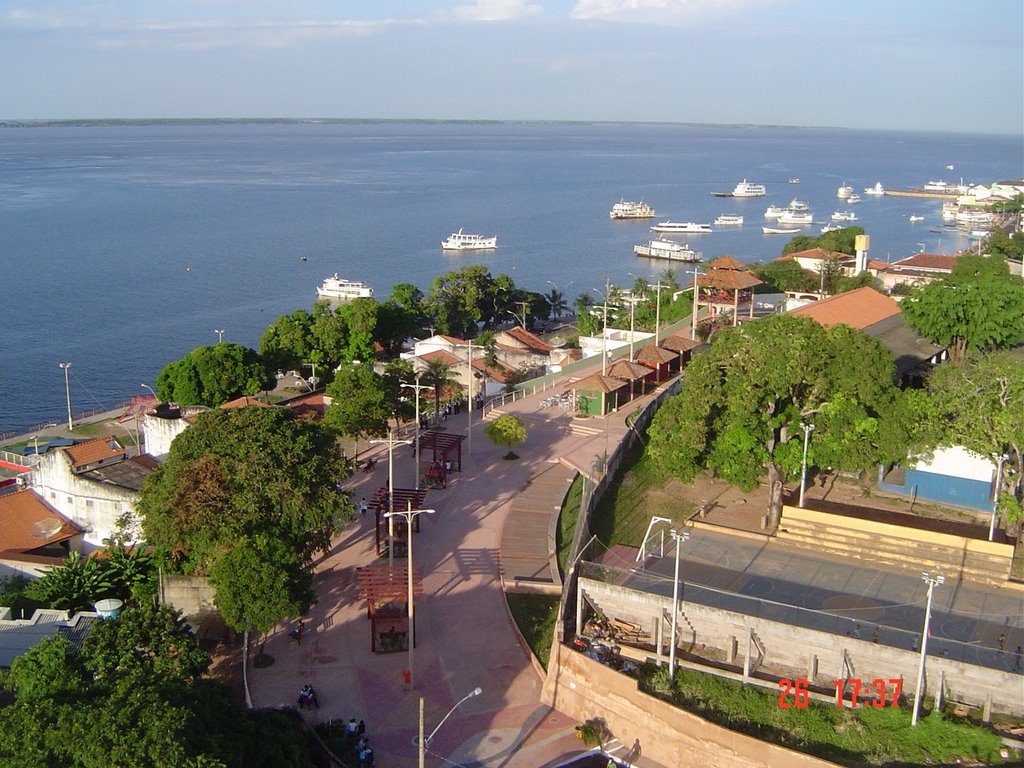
658 359
386 592
405 499
727 285
637 375
597 394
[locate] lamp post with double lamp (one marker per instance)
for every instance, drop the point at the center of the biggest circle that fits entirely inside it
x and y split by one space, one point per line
807 428
604 325
391 442
679 537
424 743
220 335
469 403
693 320
416 445
932 582
67 390
409 514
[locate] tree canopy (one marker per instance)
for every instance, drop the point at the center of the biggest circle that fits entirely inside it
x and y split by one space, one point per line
361 403
839 240
979 307
508 429
742 403
213 375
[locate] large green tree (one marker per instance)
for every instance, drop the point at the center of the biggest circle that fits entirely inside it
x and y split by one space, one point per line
239 472
979 307
213 375
361 403
742 403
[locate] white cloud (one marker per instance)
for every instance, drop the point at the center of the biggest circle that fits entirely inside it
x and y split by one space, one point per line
497 10
666 12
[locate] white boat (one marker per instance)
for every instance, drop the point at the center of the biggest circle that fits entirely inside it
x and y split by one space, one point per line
878 189
744 189
627 209
794 181
844 191
457 241
797 205
935 186
666 249
729 220
844 216
801 218
338 289
853 199
773 211
778 231
915 218
831 228
684 227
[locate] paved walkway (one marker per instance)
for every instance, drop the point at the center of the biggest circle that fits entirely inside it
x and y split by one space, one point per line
465 634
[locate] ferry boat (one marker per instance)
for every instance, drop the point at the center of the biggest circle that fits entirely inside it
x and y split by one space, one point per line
627 209
684 227
778 231
844 216
844 191
729 220
744 189
338 289
878 189
796 217
773 211
457 241
667 249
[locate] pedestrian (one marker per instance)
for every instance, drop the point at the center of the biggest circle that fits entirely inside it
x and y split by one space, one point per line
305 696
351 730
311 698
296 633
363 506
366 756
1002 642
361 728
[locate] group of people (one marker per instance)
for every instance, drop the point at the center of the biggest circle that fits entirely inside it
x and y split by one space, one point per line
355 735
307 698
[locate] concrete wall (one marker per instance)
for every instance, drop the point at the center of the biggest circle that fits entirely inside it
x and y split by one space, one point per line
799 651
583 689
160 433
193 596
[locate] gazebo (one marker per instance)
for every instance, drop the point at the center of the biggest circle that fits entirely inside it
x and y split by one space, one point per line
682 345
637 375
597 394
659 360
728 284
447 444
405 499
386 592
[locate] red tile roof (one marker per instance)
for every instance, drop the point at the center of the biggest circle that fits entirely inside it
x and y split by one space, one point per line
652 355
595 382
815 254
440 354
95 451
526 338
935 262
27 522
729 279
857 309
623 369
496 372
678 343
727 262
452 339
244 402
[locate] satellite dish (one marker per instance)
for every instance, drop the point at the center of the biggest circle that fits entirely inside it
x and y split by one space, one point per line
45 528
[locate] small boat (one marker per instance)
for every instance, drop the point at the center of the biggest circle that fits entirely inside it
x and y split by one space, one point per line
338 289
878 189
794 181
457 241
743 189
778 231
773 211
302 258
915 218
844 216
949 167
627 209
831 228
852 199
802 218
935 231
729 220
685 227
844 191
667 249
797 205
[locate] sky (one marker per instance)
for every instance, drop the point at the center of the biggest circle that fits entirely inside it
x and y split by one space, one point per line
946 65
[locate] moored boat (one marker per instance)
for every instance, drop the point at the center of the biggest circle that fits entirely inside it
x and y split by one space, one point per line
796 217
684 227
853 199
794 181
878 189
778 231
744 189
666 249
831 227
627 209
913 218
457 241
773 211
339 289
729 220
844 216
844 191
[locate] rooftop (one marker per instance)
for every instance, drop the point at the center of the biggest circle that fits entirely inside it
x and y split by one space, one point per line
857 309
27 522
94 451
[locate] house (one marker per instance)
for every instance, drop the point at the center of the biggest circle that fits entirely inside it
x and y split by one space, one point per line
164 423
34 536
916 270
951 475
19 635
519 350
438 342
93 484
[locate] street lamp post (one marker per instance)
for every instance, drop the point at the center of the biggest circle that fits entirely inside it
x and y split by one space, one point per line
423 743
657 311
409 514
67 390
679 537
220 335
146 386
391 443
807 428
995 500
555 286
693 320
932 582
469 404
416 445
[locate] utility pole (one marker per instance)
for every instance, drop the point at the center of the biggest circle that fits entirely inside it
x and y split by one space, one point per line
523 304
693 320
932 582
409 514
807 428
67 390
679 537
657 311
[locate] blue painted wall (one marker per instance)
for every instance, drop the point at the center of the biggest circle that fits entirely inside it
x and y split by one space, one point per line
957 491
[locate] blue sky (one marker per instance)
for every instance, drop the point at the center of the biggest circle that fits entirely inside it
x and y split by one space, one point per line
900 64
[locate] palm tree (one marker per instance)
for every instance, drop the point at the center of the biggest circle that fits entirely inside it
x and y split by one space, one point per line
438 375
583 303
556 302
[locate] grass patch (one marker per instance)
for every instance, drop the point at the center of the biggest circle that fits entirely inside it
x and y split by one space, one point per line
535 616
854 737
567 520
638 492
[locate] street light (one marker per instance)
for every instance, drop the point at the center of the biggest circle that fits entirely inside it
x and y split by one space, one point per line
391 443
146 386
931 581
807 428
416 445
562 293
423 743
67 389
409 514
679 538
220 334
693 320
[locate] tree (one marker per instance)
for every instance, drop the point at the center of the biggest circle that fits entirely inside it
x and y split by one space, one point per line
73 586
213 375
241 471
48 669
979 404
853 282
583 302
487 341
360 405
509 430
979 307
556 302
742 403
286 343
360 316
459 301
782 276
839 241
